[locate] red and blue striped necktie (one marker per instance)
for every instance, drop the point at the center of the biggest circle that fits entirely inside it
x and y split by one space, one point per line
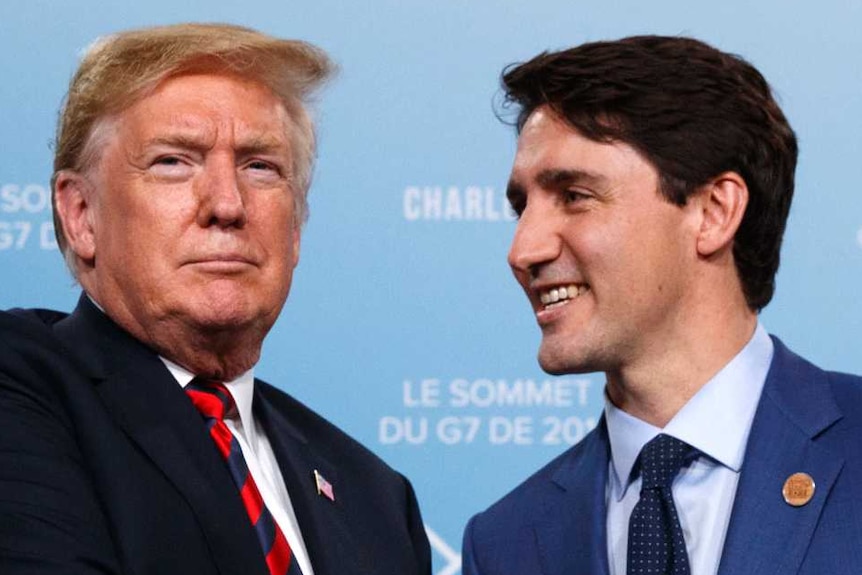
214 402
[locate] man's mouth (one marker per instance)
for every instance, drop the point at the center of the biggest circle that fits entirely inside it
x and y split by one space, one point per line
561 295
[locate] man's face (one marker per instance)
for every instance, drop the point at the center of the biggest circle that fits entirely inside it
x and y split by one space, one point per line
192 210
603 258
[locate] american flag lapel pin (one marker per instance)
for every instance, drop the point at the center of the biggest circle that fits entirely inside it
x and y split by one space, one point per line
324 487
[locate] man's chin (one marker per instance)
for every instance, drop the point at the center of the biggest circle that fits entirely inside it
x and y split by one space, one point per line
228 309
551 364
556 361
226 321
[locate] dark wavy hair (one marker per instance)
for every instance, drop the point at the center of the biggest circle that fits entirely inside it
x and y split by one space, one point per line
693 112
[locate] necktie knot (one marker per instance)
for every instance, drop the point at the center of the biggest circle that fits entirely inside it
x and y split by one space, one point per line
661 459
211 398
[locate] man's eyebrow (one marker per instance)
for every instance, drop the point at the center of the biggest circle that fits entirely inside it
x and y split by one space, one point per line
201 141
264 144
555 178
180 140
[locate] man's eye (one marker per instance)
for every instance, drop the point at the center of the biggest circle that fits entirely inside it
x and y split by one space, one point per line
573 196
168 161
171 167
262 172
261 165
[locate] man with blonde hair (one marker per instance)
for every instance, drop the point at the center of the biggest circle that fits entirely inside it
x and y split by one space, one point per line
134 437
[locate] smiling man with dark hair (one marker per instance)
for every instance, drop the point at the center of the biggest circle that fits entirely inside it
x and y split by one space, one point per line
652 182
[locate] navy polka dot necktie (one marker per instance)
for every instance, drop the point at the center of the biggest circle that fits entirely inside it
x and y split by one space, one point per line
656 544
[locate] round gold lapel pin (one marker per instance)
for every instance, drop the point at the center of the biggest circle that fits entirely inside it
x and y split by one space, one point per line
798 489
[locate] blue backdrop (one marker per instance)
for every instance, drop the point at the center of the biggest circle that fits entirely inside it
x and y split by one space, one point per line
404 325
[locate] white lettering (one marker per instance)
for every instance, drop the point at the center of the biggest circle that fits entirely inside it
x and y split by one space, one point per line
566 431
428 394
452 430
472 203
47 239
9 198
453 204
491 212
13 235
517 430
411 204
396 430
432 203
519 393
32 199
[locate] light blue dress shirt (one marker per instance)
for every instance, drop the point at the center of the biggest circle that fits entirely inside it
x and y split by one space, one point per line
717 421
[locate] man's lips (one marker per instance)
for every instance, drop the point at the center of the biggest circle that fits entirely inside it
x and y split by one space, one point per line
221 261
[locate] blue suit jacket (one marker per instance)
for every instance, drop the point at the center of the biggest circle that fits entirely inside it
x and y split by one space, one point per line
106 467
807 420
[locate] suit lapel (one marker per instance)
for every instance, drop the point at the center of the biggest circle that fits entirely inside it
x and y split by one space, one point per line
325 528
146 402
767 536
571 528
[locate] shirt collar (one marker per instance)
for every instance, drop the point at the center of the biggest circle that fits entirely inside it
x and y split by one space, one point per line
241 388
716 420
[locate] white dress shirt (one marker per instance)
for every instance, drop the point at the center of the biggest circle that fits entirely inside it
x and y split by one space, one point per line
259 458
716 421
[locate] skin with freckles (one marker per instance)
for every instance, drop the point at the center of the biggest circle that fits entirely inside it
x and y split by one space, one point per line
185 225
656 280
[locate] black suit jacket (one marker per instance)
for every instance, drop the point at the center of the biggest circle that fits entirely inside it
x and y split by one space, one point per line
106 467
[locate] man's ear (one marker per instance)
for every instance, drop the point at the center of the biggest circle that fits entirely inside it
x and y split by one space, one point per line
297 236
74 199
722 204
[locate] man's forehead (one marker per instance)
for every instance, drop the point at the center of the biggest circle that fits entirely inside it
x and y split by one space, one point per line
176 110
551 151
179 127
197 88
541 136
547 147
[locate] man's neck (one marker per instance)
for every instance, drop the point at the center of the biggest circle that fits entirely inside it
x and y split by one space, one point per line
657 387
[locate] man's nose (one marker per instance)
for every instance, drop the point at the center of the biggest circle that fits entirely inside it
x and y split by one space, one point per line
222 200
536 241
